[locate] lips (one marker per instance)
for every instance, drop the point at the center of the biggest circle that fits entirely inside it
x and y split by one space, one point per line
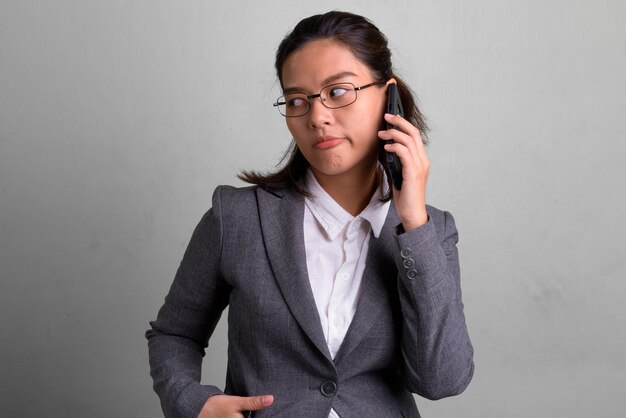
325 142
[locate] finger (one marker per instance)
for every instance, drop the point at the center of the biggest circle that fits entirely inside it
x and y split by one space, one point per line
398 137
255 403
412 165
405 133
403 125
401 143
413 139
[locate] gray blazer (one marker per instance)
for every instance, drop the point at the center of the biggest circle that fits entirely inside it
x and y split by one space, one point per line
408 334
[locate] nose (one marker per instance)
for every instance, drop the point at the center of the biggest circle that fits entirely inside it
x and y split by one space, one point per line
319 115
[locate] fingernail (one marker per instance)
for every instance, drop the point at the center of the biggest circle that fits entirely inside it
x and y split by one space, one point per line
267 400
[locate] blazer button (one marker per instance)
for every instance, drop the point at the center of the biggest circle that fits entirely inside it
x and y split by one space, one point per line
412 274
406 252
408 262
328 388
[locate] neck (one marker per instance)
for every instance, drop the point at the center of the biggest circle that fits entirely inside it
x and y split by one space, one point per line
353 191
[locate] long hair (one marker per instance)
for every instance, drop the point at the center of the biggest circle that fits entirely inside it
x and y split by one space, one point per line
369 45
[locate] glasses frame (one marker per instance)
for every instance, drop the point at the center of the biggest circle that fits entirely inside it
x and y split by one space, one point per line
310 97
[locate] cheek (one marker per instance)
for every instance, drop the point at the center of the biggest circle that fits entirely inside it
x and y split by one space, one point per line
297 134
294 128
369 120
375 107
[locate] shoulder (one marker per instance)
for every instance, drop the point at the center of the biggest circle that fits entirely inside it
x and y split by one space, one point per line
237 199
229 195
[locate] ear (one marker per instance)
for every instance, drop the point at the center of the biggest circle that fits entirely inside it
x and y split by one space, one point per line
390 81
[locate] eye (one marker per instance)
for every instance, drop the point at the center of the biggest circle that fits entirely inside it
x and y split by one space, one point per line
295 101
337 91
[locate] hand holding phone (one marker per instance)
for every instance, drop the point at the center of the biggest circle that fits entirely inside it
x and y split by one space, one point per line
394 166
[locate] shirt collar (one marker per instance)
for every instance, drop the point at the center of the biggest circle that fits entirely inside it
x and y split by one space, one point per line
333 218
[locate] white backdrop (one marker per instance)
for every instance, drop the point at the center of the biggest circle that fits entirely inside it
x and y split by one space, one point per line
118 118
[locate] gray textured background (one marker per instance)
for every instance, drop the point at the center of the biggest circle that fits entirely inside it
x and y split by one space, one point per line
118 118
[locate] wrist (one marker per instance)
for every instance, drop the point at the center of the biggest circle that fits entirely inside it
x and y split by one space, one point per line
415 222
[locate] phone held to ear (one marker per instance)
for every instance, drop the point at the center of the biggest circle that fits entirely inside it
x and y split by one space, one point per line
392 162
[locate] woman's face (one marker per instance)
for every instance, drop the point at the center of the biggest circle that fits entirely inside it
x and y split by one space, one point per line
335 142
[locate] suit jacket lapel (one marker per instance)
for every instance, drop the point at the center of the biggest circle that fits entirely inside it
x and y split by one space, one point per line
282 215
375 284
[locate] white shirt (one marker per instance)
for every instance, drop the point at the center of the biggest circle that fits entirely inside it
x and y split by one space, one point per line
336 245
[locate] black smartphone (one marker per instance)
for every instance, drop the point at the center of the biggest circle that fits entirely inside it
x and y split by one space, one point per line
392 162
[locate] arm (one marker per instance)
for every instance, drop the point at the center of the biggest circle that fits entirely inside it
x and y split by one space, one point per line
192 309
436 349
437 352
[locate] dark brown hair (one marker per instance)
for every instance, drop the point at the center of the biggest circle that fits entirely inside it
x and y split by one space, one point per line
369 45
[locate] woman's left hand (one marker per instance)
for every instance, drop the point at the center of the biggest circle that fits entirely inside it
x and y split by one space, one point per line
410 201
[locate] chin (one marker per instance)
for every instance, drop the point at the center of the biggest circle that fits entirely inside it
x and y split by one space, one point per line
330 165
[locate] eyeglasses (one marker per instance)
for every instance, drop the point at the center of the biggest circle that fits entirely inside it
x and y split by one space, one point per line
333 96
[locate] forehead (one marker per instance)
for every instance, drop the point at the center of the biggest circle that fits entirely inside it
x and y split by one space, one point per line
312 65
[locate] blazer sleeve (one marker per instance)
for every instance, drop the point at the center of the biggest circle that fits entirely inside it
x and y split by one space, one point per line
436 348
178 337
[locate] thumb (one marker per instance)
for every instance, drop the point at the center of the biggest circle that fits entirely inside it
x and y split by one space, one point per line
256 403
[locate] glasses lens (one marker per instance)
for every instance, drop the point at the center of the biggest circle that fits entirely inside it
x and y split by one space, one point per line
292 105
338 95
334 96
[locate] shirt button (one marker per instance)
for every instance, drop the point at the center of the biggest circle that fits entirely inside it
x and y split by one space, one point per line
412 274
345 276
328 388
406 252
408 262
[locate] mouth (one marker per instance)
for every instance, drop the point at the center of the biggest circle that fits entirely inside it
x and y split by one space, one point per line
325 142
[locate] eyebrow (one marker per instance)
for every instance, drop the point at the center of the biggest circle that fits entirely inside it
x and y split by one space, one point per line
327 81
